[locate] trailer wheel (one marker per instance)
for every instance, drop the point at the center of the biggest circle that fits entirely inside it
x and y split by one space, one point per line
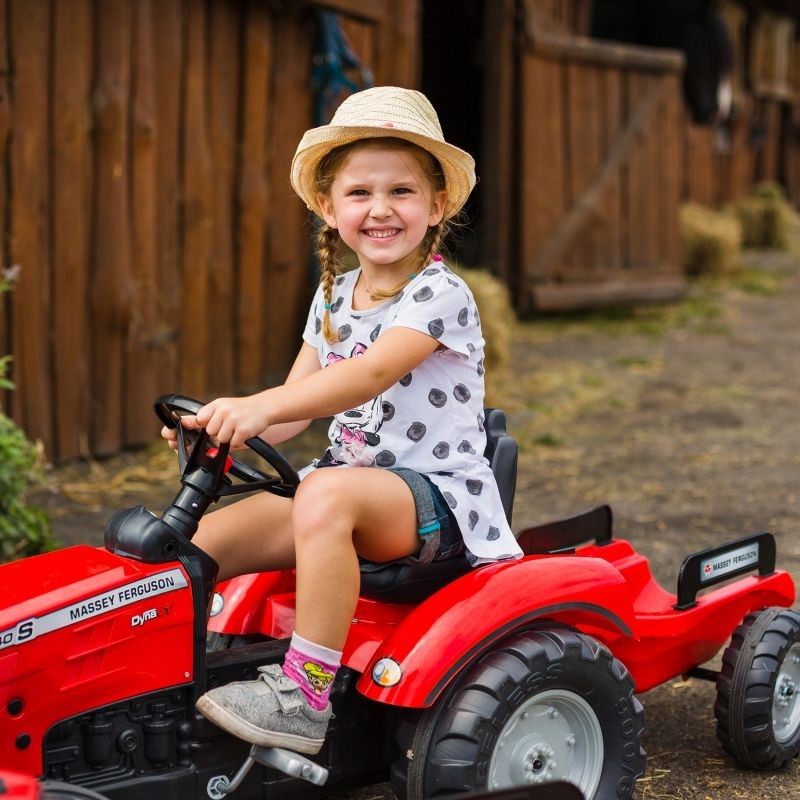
758 702
57 790
546 705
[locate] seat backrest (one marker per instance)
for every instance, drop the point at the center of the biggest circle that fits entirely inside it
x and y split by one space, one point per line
502 452
410 583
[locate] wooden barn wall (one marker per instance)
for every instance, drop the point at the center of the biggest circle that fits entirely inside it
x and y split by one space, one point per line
145 202
600 188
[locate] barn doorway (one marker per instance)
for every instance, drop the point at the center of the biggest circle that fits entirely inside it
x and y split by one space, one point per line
452 78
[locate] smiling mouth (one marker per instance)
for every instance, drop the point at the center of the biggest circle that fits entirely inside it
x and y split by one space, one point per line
381 234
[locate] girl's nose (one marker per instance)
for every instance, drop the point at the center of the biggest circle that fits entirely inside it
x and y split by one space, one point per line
380 206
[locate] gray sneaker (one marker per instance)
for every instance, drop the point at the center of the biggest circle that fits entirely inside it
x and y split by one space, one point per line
270 711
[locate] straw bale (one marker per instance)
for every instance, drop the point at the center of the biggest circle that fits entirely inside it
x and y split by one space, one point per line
710 240
766 217
497 320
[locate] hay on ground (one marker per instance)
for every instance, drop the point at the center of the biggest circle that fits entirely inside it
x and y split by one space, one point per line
766 217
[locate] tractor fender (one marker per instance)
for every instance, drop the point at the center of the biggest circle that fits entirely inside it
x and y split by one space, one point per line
446 632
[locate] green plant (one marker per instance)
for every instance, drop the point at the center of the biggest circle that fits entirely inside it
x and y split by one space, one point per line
24 530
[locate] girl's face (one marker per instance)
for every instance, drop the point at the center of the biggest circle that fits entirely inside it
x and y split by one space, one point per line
382 203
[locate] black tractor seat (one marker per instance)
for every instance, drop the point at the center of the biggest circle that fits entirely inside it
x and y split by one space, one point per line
410 583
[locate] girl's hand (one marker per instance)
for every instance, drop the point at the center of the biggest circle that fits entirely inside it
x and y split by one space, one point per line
231 419
171 435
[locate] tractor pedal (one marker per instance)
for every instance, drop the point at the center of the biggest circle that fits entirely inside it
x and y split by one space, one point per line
292 764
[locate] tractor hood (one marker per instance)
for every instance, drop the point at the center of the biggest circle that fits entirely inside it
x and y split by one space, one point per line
93 628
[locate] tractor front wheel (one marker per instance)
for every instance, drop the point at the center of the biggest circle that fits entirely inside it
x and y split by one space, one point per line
758 690
546 705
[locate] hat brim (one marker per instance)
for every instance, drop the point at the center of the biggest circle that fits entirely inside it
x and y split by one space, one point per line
458 165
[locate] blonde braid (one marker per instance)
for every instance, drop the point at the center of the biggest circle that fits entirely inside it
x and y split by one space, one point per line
327 247
436 234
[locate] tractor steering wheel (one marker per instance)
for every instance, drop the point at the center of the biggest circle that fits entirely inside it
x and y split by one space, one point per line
169 408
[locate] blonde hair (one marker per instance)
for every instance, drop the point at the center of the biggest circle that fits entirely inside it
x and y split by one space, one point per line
329 246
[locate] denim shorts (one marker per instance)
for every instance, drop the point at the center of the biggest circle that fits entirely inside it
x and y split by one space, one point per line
437 527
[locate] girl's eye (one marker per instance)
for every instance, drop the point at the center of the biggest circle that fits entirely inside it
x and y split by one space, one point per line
402 190
359 193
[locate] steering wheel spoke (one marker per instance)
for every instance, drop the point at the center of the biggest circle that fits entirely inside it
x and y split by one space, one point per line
169 409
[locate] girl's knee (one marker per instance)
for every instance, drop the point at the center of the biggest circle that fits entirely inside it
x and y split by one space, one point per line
320 503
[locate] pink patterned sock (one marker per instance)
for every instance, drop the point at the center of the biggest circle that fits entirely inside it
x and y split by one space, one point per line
313 667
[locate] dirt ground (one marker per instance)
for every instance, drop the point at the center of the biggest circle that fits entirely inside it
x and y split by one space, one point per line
683 418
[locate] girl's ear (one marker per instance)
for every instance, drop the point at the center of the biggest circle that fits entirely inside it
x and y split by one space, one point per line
437 208
326 207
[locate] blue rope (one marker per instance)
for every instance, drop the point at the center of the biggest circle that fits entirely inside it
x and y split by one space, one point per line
333 58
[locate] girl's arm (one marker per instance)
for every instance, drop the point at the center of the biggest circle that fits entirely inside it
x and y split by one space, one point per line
321 393
306 363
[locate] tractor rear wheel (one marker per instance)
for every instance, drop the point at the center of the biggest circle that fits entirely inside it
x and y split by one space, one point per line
545 705
758 690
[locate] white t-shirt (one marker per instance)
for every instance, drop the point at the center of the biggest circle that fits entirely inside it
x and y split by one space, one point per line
431 420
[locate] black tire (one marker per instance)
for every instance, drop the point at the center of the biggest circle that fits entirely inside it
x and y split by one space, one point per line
56 790
458 744
758 702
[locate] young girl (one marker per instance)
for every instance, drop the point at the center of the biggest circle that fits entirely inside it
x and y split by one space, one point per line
393 351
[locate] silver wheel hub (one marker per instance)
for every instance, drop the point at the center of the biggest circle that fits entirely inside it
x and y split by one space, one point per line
785 704
553 736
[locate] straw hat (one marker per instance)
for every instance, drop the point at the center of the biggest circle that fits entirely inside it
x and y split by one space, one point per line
380 112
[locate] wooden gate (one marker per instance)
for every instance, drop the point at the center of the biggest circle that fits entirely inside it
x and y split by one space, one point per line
145 203
597 148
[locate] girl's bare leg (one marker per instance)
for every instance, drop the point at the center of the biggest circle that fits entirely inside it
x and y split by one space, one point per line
336 514
251 535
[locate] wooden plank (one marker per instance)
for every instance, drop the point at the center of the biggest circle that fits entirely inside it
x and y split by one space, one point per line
168 60
223 116
32 402
649 287
584 143
196 327
542 167
700 164
399 56
561 45
371 10
252 196
767 159
72 171
640 191
499 184
288 287
611 216
670 160
111 288
5 132
142 356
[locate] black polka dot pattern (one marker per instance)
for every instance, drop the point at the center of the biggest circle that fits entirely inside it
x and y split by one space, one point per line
385 459
466 447
473 519
336 304
388 410
494 534
345 331
474 486
405 380
437 398
423 294
373 335
416 431
461 393
436 328
463 317
442 450
450 500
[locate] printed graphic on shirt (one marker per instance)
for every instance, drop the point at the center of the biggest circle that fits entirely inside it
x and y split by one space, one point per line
353 430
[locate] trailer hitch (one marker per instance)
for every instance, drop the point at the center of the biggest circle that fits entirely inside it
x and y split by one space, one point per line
292 764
